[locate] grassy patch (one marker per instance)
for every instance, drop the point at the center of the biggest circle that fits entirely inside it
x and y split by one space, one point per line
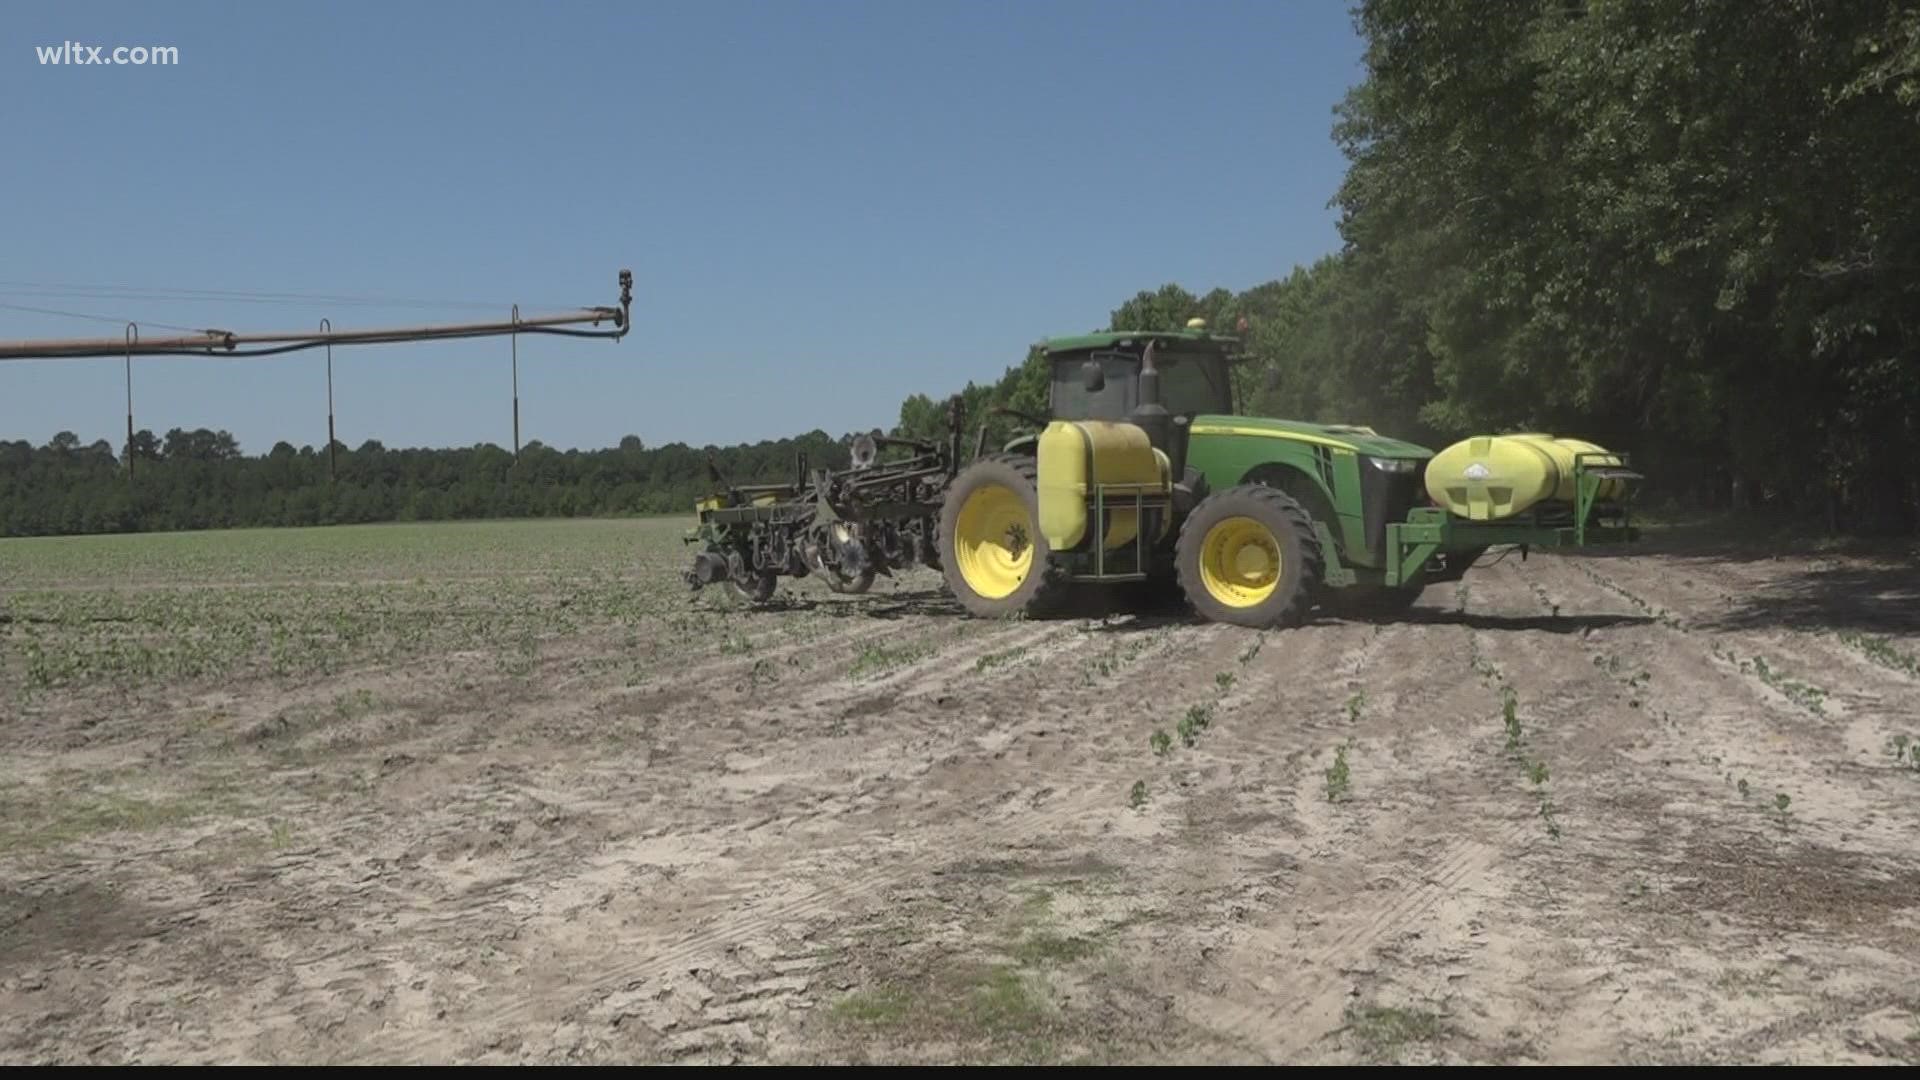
885 1007
1045 948
298 603
73 815
995 1011
1383 1032
998 659
1001 1003
878 658
993 1004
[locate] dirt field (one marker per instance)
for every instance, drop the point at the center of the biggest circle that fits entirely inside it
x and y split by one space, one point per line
481 793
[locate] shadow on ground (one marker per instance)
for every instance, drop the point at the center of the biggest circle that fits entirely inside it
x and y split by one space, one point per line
905 604
1870 598
1480 620
1868 585
1752 538
1115 616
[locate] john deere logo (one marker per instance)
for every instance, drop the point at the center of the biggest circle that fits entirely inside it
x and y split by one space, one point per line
1476 471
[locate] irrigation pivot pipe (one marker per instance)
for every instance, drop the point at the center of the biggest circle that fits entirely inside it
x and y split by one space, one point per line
228 343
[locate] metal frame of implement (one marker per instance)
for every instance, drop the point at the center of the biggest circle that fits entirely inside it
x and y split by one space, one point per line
847 525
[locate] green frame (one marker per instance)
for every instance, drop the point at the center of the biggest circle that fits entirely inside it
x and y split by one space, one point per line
1429 530
1142 497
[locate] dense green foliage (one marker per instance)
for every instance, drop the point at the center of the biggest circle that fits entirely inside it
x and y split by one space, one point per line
1682 228
200 480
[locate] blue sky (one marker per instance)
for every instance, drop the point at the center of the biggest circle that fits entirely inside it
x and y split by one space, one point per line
826 205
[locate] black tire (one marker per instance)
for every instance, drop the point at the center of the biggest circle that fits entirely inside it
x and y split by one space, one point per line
1042 589
1267 519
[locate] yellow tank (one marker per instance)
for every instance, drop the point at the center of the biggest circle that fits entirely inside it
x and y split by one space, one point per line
1489 477
1077 454
1563 449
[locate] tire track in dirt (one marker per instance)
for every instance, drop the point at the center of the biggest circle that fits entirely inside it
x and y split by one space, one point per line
1822 1018
1674 652
907 697
493 898
1278 1022
575 938
495 795
1719 599
1285 1021
1676 757
1315 993
851 879
853 884
1816 666
950 664
702 680
1296 661
1706 724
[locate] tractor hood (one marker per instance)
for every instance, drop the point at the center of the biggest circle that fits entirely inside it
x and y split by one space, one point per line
1360 440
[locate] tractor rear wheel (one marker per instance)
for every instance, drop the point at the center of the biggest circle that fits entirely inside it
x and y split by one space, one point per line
1249 556
992 552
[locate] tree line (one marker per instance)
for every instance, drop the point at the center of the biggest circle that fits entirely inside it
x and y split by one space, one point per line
201 480
1686 229
1680 228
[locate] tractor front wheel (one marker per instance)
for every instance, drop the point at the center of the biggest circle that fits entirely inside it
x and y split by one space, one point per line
992 552
1249 556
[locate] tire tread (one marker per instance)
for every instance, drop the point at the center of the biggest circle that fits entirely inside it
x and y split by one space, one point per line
1298 601
1048 596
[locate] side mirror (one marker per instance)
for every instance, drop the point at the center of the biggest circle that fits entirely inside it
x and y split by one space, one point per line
1093 376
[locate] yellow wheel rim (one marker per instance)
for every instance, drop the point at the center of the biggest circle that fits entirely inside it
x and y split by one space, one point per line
1240 562
993 542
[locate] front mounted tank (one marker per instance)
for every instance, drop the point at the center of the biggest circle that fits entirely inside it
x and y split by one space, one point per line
1493 477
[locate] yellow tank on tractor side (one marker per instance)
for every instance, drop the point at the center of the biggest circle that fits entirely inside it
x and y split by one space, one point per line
1078 457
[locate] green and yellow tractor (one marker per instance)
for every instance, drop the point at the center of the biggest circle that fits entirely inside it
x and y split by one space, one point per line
1144 472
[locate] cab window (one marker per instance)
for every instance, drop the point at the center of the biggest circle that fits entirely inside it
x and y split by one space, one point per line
1189 384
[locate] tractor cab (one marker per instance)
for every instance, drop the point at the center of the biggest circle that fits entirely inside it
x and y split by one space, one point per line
1097 377
1160 380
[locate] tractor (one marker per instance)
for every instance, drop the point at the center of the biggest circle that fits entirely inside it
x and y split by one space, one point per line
1145 474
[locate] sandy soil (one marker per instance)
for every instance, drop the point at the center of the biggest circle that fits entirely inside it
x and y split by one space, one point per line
1609 809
